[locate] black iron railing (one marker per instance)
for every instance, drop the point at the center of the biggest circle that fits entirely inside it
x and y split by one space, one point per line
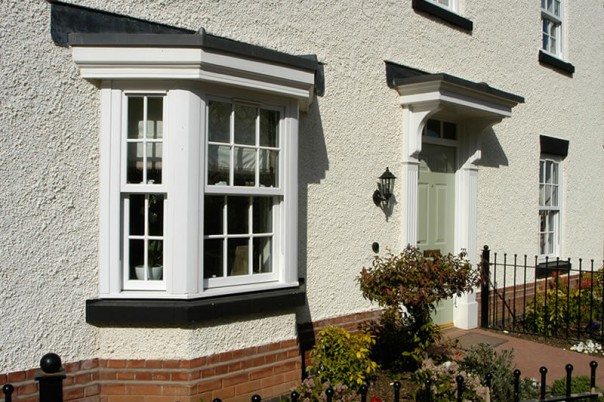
555 298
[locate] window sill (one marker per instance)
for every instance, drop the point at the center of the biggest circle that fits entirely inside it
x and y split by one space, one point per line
130 312
556 63
443 14
551 268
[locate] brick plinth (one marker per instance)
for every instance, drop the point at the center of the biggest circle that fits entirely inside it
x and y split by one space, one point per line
268 370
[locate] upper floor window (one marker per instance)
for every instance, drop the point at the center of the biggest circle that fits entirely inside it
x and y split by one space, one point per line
551 22
549 206
448 4
443 10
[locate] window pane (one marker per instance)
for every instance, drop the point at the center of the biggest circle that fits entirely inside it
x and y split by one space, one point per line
245 125
263 215
541 195
155 256
155 116
548 196
213 215
136 263
238 250
135 117
156 215
135 162
245 167
213 258
542 221
136 211
238 213
449 131
269 128
269 168
263 261
557 8
219 160
433 128
219 121
549 249
154 163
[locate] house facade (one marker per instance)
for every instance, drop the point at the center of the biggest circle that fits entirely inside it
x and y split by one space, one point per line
189 188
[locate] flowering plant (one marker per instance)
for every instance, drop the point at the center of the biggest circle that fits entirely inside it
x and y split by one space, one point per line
587 347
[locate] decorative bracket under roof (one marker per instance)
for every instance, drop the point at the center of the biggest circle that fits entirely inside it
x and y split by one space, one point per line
423 94
108 46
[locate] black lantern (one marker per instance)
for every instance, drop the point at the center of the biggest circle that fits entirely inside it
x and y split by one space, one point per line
385 188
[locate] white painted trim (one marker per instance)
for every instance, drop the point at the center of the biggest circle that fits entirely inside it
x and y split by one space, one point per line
156 63
476 113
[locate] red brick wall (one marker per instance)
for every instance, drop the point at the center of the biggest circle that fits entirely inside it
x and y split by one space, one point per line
268 370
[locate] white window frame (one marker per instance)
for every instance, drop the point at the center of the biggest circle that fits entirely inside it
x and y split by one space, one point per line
185 185
552 26
188 76
552 207
450 5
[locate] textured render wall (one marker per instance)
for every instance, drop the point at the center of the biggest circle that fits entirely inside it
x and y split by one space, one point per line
48 193
347 139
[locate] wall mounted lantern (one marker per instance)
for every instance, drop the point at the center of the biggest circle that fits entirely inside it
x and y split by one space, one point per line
385 188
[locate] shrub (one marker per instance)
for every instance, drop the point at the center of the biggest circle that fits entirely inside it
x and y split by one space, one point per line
578 384
313 391
408 286
443 386
482 359
562 306
339 357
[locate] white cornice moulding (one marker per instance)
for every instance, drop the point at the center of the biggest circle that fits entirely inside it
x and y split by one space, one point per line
470 102
115 63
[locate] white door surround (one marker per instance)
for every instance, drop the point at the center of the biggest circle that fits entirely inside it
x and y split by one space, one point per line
476 107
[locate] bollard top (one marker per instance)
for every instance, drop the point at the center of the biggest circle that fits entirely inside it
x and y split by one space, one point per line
8 389
50 363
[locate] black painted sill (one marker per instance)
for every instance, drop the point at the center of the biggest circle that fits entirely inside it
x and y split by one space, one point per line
443 14
553 267
134 312
556 63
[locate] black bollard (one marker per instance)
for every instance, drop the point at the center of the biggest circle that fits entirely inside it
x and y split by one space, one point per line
8 389
50 377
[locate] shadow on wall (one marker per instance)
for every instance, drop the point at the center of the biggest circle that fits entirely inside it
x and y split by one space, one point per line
492 154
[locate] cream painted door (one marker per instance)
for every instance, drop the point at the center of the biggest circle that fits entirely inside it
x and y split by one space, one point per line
436 210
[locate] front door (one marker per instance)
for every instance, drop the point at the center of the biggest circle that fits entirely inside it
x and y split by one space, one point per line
436 210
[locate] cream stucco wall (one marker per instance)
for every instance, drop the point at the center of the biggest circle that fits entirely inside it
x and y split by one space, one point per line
49 124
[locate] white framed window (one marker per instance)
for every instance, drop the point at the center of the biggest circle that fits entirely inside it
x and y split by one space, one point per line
243 193
142 190
549 206
201 191
552 27
199 163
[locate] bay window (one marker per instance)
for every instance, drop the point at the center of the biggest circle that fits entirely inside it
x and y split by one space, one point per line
198 170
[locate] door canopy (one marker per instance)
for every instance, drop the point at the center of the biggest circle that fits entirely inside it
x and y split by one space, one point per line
422 95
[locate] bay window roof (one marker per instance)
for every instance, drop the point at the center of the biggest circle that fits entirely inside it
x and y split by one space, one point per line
111 46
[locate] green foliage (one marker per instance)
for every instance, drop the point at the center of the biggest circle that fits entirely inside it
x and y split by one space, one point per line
482 359
408 286
313 391
342 358
578 385
562 305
